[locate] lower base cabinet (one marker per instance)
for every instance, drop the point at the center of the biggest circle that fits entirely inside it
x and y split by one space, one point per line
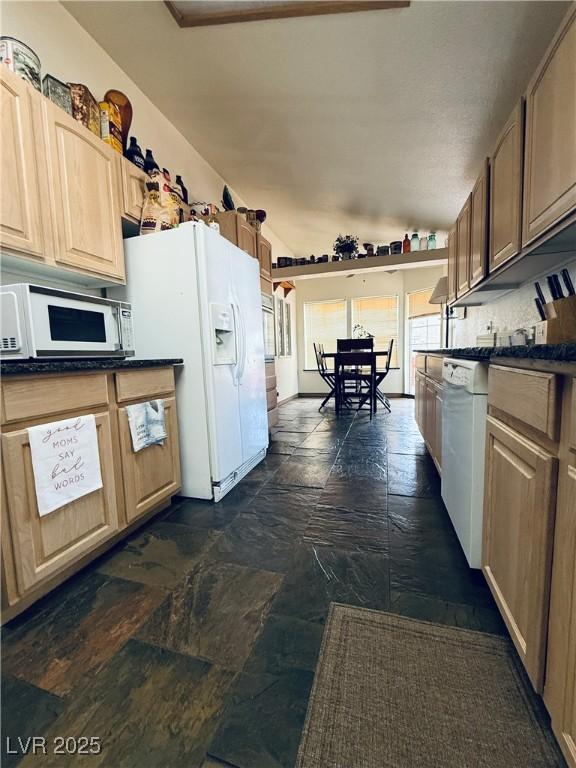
38 552
42 546
519 509
428 414
152 474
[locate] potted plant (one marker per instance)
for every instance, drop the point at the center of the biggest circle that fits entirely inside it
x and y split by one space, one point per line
346 246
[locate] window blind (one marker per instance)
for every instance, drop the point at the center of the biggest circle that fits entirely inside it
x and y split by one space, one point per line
418 304
324 322
379 316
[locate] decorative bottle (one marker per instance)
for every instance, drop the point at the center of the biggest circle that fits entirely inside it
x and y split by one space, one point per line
415 242
134 153
149 163
406 244
432 241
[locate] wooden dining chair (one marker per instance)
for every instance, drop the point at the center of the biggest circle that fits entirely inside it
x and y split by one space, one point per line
381 375
327 376
358 368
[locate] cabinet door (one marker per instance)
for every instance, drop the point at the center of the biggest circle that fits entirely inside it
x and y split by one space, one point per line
133 189
519 506
463 249
550 160
430 416
87 210
506 192
43 546
246 236
264 257
452 266
478 228
438 426
560 687
151 475
419 396
21 205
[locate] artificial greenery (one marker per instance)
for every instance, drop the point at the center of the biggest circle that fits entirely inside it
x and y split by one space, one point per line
346 244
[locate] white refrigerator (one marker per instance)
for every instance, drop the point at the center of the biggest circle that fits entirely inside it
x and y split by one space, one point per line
197 296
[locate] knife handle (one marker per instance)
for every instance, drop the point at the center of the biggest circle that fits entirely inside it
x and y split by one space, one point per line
539 293
552 287
568 282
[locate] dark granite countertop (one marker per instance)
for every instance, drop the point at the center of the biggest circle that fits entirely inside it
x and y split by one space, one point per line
562 353
19 367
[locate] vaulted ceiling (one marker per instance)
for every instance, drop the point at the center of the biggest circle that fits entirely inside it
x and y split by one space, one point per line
371 123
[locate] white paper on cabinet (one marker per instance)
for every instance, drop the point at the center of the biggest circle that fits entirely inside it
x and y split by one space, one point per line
65 461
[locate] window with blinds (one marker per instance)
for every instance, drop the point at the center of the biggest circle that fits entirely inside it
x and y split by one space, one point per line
324 322
418 305
379 316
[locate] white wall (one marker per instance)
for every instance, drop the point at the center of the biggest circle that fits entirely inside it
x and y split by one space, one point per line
287 367
69 53
361 284
512 311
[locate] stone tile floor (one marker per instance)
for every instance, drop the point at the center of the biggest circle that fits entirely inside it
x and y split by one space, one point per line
194 643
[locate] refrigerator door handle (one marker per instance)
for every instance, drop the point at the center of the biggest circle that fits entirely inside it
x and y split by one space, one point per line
242 360
237 331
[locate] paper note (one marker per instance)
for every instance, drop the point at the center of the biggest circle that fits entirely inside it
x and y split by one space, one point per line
147 423
65 461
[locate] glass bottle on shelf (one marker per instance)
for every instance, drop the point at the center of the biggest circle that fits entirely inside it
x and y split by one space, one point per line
415 242
432 241
406 244
134 153
149 163
423 243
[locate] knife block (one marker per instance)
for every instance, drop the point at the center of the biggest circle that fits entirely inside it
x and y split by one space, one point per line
560 324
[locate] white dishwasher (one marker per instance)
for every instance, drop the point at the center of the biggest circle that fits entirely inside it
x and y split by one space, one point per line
464 404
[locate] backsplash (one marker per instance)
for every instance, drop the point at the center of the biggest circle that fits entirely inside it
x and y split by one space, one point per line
515 310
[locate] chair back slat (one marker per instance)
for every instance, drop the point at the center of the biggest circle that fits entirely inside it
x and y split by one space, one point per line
352 345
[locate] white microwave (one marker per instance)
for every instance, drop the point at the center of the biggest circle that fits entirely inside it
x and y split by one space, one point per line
41 322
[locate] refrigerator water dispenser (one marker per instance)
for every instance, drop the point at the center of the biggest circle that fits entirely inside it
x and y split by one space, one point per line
223 334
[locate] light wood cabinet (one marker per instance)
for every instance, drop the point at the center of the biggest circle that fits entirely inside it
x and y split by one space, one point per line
478 228
452 266
560 686
519 508
506 191
38 552
24 227
132 189
463 249
42 546
271 393
428 407
264 256
86 206
152 474
550 158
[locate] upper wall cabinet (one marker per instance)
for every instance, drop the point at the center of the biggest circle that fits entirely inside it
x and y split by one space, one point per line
132 189
264 256
506 191
478 228
550 159
87 210
463 248
22 228
452 266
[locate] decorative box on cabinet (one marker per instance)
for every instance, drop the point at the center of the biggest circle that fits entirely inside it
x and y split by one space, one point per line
506 191
550 156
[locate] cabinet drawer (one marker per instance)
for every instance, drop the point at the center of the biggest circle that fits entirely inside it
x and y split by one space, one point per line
133 385
420 362
434 367
30 398
529 396
43 546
